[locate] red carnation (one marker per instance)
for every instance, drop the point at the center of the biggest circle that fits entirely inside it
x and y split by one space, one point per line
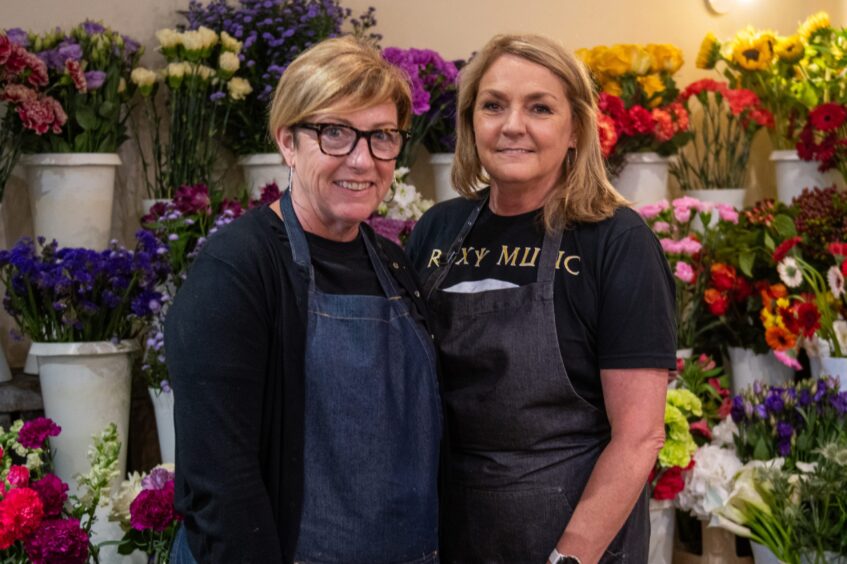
20 513
743 289
154 509
838 249
704 85
607 133
670 483
53 494
741 100
35 432
827 117
18 476
718 302
58 541
701 427
640 120
782 249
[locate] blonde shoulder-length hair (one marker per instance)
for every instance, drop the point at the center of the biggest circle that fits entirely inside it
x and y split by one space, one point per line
342 70
584 193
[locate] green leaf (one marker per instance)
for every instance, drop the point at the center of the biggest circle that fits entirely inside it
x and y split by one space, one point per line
745 262
81 142
86 118
784 225
761 450
769 243
107 109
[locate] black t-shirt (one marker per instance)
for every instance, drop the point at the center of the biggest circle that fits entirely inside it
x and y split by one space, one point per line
343 267
614 292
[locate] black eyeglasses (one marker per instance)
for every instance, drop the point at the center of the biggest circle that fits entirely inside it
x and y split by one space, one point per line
338 140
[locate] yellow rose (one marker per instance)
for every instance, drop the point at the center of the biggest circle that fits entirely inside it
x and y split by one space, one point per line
789 49
652 84
612 62
813 23
638 57
584 55
612 87
664 57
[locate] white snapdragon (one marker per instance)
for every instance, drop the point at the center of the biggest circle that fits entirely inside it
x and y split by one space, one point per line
124 497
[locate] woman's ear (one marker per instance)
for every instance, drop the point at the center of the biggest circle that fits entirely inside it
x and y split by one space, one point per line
286 143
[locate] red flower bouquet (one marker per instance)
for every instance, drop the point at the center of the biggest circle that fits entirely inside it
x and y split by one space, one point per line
824 137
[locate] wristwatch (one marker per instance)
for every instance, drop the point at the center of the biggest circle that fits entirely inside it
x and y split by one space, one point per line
557 557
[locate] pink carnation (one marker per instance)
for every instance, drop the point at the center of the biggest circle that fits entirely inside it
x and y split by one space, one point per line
664 129
18 476
74 70
154 509
17 93
661 227
20 513
58 541
688 202
727 213
684 272
35 432
53 494
682 215
669 245
649 211
690 246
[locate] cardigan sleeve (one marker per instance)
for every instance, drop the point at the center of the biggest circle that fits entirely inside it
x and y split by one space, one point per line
217 340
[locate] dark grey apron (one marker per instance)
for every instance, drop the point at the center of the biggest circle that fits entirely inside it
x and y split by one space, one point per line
522 441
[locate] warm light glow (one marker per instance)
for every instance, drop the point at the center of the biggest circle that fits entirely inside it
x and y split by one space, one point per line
722 6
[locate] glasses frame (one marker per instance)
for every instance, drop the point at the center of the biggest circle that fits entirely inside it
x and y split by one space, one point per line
319 127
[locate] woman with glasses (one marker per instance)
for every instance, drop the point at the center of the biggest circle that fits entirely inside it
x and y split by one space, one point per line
554 309
307 409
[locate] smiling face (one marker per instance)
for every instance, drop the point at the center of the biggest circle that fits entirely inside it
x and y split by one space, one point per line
333 195
522 126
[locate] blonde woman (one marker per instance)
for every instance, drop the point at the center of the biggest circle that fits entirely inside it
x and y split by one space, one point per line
554 306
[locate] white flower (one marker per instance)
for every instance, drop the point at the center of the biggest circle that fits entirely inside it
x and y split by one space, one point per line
709 484
176 70
404 195
229 43
199 40
836 281
33 460
840 328
169 38
238 88
228 62
123 498
722 433
790 273
142 77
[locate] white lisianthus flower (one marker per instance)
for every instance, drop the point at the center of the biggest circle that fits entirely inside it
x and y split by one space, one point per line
229 43
123 498
169 39
228 63
723 432
790 273
239 88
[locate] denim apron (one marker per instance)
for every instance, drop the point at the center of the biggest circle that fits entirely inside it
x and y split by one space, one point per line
373 423
522 441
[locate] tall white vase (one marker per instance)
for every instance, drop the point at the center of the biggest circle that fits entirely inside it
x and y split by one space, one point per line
793 174
71 195
261 169
163 408
442 168
85 387
748 367
661 532
643 179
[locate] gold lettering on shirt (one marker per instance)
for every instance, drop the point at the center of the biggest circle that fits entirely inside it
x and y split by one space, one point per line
563 261
480 254
526 250
506 257
464 259
434 258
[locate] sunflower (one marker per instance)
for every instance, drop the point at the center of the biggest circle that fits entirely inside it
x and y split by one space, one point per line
710 50
789 49
780 339
753 51
813 23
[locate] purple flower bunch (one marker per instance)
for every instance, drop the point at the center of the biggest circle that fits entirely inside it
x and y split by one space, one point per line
88 70
72 294
790 421
153 519
274 33
433 84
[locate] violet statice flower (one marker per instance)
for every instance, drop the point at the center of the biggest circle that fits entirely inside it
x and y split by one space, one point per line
18 36
58 540
92 27
95 79
35 431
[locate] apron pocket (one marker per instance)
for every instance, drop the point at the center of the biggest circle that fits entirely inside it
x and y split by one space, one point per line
502 526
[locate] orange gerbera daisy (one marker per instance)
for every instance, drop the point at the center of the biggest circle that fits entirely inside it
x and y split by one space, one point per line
779 339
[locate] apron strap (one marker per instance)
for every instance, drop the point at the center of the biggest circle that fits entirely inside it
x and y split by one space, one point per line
389 287
437 277
549 253
299 244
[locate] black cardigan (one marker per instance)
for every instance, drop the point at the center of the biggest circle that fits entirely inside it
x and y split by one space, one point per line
235 347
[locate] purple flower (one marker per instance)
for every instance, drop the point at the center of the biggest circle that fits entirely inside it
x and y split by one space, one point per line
92 27
839 402
58 541
53 494
95 79
783 447
157 479
773 402
35 432
784 430
18 36
217 96
69 50
737 411
760 411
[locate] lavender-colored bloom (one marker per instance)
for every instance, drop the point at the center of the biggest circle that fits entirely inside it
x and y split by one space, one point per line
773 402
784 430
839 402
95 79
804 398
91 27
157 479
783 447
69 50
18 36
760 411
131 46
217 96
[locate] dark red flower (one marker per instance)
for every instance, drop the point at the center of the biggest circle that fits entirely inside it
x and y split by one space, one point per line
723 277
154 509
35 432
701 427
828 116
717 301
58 541
640 120
53 494
808 318
743 289
193 199
783 248
839 249
669 484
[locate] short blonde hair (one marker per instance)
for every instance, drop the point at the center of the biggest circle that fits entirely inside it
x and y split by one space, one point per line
342 69
585 193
